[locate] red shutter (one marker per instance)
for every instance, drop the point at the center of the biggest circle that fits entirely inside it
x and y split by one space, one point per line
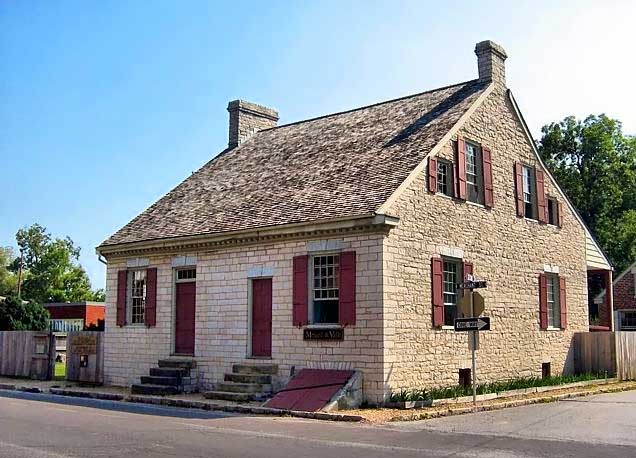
432 174
461 169
487 168
543 301
438 291
122 286
541 200
150 317
347 306
560 213
519 189
300 293
563 304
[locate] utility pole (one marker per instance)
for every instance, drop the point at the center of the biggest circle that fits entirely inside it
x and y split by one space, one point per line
473 336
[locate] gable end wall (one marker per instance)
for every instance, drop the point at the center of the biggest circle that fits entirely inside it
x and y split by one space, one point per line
508 251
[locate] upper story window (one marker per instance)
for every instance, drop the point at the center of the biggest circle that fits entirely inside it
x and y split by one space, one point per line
529 193
474 174
137 296
553 211
186 274
554 309
445 177
452 269
325 288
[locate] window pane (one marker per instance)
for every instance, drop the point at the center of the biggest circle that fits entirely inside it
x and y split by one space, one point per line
138 296
325 288
451 278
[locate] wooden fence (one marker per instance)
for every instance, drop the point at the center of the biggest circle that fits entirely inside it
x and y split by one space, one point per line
610 352
85 357
27 354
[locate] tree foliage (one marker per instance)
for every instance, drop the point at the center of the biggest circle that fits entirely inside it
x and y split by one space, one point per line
51 269
8 278
19 315
595 164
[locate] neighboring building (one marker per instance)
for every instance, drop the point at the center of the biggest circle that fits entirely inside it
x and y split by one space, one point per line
624 300
74 316
356 227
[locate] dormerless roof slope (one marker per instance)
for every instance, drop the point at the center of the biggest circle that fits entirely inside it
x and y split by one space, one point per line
343 165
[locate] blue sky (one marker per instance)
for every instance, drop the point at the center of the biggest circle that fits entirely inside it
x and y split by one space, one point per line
107 105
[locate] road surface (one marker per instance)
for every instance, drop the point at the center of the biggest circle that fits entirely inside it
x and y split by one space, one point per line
46 426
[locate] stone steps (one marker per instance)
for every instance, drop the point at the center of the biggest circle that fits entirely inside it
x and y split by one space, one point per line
155 390
249 378
229 396
244 387
182 363
266 369
160 380
169 372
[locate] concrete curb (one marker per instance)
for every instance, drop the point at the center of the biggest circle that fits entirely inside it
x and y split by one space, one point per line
506 404
186 403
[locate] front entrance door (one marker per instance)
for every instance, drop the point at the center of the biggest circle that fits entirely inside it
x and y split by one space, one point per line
262 317
185 311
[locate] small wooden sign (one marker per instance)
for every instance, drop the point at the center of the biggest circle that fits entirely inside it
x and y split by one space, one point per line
85 345
323 334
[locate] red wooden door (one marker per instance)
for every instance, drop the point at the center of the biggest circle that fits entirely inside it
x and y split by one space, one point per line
262 317
184 327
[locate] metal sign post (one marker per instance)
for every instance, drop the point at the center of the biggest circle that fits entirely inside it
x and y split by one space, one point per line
473 324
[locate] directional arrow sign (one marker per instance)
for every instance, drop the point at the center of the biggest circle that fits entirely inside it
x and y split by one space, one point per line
481 323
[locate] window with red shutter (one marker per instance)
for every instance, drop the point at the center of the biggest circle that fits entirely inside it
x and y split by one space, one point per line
150 318
437 282
300 293
488 185
543 302
432 174
122 296
347 305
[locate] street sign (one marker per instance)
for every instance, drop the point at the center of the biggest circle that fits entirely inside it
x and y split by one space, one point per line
473 284
472 324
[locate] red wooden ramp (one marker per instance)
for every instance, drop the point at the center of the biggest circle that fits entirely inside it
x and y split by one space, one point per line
310 390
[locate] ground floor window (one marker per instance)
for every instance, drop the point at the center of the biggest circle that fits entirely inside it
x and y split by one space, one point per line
628 320
325 288
137 296
452 275
554 309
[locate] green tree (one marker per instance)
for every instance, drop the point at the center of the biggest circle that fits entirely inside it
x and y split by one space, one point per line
19 315
595 164
8 279
52 271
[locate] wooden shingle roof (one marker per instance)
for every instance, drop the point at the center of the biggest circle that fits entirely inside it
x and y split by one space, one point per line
337 166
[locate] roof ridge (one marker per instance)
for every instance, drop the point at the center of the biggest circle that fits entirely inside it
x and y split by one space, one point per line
351 110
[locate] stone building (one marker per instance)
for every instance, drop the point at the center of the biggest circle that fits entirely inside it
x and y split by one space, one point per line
338 242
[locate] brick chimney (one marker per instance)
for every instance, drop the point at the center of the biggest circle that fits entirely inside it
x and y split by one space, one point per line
491 59
246 119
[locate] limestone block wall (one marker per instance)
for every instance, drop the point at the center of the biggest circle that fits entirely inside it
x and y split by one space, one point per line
508 251
222 312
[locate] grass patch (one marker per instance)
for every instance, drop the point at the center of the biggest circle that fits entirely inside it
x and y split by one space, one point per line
494 387
60 371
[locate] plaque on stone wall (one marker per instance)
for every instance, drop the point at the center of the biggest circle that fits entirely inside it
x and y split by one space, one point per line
323 334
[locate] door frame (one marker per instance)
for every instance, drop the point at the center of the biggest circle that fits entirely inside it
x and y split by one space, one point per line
250 296
173 326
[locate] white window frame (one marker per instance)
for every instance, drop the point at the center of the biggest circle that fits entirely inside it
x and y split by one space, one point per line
474 173
553 304
312 289
130 297
529 191
186 279
448 175
452 292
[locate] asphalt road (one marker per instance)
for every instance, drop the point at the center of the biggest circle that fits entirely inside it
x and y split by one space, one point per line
43 426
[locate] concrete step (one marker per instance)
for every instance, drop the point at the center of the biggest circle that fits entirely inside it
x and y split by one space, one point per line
169 371
249 378
243 387
160 380
183 363
228 396
255 369
155 390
